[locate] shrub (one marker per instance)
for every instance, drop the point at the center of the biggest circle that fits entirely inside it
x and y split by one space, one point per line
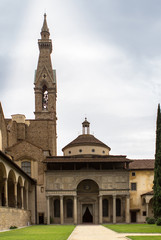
147 218
151 221
13 227
158 222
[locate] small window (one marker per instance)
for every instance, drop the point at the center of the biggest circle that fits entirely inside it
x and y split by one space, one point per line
26 167
103 152
118 207
133 174
57 208
133 186
144 213
93 150
80 150
69 208
105 208
69 152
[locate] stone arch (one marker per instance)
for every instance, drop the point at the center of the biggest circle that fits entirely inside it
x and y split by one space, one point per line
143 201
11 188
151 213
3 176
88 186
90 179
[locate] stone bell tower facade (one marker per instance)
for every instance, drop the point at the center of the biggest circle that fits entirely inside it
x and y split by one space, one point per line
45 79
45 84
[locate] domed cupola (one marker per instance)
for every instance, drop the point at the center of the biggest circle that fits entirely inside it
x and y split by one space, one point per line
86 144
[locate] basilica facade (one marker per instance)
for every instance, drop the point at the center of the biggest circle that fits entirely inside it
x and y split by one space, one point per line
85 185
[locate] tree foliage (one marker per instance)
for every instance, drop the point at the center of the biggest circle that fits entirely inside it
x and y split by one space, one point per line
157 169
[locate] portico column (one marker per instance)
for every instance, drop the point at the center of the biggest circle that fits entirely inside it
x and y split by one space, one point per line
75 209
48 210
114 208
127 209
100 209
15 193
147 209
61 210
22 197
6 191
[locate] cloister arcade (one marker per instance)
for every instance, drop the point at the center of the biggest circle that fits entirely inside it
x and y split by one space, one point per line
13 188
17 194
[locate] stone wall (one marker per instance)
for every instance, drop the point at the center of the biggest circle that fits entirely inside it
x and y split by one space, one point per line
13 217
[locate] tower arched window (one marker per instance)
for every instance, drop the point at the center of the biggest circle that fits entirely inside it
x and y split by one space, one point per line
44 98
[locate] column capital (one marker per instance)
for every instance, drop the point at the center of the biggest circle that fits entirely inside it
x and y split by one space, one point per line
128 196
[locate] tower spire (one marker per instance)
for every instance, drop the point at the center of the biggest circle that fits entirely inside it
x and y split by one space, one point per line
45 30
45 26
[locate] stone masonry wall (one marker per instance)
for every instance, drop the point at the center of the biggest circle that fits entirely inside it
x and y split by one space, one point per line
13 217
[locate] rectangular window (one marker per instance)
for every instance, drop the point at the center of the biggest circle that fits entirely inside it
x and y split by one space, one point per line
26 167
133 174
133 186
144 213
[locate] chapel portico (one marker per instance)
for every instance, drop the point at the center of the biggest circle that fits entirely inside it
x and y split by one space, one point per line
84 207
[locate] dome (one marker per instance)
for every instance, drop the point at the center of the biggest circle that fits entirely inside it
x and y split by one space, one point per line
86 144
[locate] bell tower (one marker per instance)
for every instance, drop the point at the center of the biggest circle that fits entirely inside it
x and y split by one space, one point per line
45 79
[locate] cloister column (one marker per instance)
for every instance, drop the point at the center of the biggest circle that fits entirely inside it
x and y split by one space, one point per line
147 209
48 210
15 193
114 208
6 191
22 197
61 210
127 209
27 199
100 209
75 209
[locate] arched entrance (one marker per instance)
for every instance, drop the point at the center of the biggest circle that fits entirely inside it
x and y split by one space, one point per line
87 192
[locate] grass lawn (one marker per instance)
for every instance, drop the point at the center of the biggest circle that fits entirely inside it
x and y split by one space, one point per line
144 237
134 228
43 232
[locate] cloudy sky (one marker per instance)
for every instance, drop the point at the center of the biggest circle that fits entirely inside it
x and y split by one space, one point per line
107 54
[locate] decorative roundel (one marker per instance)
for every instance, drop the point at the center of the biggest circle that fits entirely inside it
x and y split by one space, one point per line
87 187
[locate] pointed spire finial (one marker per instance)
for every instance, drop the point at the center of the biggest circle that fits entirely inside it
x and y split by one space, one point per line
45 26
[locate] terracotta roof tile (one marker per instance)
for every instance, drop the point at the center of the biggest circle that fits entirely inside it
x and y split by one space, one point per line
142 164
93 158
86 139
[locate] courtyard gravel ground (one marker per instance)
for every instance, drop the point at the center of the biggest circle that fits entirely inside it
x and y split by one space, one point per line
99 232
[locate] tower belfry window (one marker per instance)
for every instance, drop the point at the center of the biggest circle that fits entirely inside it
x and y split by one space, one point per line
45 98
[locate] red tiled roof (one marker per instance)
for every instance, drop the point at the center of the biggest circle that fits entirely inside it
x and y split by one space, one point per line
86 139
87 158
148 193
142 164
